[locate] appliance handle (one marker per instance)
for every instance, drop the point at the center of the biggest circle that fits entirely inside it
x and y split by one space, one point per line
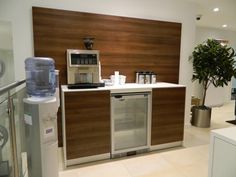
118 96
130 96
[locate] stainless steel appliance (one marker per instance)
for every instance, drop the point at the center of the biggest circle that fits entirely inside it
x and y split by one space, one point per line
83 66
130 122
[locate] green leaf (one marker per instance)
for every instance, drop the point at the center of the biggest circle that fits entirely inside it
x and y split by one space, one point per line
213 63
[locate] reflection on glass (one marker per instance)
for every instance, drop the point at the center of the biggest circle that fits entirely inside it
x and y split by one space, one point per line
5 143
6 156
20 129
10 164
7 74
130 119
129 122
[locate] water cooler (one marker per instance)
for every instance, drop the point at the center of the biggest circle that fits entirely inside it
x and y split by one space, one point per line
40 117
41 136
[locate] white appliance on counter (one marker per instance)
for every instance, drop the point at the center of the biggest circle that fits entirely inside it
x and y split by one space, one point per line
40 116
130 123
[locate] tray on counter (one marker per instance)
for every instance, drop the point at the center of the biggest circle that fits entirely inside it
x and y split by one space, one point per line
85 85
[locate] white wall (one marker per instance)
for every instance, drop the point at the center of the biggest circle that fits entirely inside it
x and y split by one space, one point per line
223 94
202 33
168 10
5 35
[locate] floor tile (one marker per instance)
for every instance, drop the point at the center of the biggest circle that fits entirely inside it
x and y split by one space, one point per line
146 165
69 173
195 170
113 169
185 157
172 172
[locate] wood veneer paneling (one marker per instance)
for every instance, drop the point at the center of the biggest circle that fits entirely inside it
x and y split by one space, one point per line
168 106
87 123
125 44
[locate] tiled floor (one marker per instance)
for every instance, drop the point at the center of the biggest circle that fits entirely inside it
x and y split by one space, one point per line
188 161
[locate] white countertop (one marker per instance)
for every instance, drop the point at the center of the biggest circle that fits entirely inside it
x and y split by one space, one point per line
227 134
129 87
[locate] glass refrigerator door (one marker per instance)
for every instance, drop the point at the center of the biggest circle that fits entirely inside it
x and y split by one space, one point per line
130 120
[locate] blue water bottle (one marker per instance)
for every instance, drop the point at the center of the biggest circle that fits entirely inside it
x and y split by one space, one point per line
40 77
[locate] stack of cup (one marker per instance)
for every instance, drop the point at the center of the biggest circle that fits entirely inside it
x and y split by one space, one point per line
116 79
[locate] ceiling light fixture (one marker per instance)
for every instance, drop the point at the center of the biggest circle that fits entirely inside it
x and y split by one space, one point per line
216 9
224 26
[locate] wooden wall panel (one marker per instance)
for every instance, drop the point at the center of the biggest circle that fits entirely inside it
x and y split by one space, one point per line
125 44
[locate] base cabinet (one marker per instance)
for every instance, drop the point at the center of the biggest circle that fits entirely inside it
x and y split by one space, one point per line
168 105
86 123
223 153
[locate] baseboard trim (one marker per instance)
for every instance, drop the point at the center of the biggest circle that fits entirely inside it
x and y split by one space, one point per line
87 159
167 145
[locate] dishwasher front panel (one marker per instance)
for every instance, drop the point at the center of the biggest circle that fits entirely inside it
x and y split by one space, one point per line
129 121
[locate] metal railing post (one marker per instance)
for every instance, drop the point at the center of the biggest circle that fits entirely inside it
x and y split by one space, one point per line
13 135
12 128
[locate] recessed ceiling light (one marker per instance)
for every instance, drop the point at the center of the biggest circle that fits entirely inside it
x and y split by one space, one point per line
216 9
224 26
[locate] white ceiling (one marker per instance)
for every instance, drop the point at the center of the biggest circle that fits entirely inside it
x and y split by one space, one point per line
226 14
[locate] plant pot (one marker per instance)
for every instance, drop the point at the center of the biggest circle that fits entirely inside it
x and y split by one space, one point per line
201 116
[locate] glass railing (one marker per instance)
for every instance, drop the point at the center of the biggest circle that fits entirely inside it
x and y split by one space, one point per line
13 162
6 159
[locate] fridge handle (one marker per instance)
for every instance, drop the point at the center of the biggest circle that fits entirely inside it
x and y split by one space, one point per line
118 96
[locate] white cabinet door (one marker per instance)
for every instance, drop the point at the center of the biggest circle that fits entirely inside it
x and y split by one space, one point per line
223 159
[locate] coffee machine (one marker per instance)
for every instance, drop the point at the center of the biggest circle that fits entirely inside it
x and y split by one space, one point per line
83 66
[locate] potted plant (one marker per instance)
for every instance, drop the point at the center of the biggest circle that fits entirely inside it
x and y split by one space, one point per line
213 63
